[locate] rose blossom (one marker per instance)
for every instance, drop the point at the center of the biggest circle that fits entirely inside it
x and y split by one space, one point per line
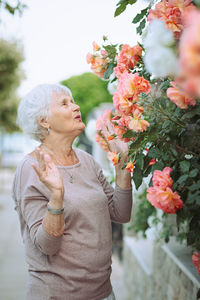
171 12
162 178
95 47
189 53
121 103
161 195
127 59
137 124
130 167
98 64
165 199
196 260
131 85
152 162
100 138
179 97
114 157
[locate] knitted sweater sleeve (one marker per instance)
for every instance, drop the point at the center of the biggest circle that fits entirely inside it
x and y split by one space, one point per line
34 197
119 200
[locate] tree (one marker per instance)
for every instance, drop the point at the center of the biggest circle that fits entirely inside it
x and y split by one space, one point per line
11 74
11 8
88 91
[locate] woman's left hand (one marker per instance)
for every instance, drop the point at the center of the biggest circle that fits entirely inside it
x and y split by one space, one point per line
115 144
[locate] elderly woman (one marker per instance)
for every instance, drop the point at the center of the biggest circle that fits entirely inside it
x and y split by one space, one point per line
64 202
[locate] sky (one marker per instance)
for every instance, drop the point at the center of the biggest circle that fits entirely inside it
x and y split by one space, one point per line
58 34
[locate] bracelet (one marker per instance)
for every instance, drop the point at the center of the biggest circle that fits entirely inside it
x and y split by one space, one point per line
55 211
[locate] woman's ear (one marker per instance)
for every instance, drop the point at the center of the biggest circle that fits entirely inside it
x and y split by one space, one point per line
44 123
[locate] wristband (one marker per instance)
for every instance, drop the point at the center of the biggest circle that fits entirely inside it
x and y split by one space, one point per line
55 211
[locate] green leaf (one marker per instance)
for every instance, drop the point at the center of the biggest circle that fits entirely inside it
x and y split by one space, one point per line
158 166
166 124
197 3
120 9
137 177
129 134
175 153
195 186
191 237
185 166
193 173
154 152
182 179
132 2
108 72
194 198
162 101
140 161
10 8
165 85
140 16
141 27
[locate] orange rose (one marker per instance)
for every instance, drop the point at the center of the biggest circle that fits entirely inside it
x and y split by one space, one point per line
179 97
127 59
164 199
114 157
130 167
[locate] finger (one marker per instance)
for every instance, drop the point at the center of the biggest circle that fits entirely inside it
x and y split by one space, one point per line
48 161
110 127
42 161
104 130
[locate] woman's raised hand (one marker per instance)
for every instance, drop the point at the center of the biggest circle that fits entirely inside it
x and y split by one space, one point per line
115 144
48 172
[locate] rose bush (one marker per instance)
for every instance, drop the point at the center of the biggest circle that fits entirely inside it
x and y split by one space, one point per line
157 113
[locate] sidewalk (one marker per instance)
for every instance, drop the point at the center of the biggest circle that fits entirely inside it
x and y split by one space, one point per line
12 264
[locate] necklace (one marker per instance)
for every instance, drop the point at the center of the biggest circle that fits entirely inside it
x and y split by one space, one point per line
71 178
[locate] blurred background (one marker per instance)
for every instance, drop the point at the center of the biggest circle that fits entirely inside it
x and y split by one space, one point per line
47 42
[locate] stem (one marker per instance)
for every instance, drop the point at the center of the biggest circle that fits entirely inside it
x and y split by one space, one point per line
162 111
168 117
177 147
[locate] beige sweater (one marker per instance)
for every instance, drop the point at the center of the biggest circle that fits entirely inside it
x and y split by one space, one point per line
77 265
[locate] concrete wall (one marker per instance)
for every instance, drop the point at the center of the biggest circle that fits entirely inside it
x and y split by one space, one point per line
156 272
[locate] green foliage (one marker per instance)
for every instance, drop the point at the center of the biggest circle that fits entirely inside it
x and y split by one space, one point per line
12 9
141 19
172 140
11 74
109 71
121 6
142 210
88 91
141 15
175 144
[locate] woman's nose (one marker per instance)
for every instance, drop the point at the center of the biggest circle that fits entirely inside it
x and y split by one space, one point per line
76 106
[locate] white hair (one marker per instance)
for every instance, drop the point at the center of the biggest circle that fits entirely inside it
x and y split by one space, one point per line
35 106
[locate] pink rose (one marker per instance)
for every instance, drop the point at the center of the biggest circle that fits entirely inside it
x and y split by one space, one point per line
164 199
196 260
162 178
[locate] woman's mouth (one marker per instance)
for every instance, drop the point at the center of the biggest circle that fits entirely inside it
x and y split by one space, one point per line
78 117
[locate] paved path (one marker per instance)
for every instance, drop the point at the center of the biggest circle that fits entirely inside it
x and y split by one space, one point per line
12 264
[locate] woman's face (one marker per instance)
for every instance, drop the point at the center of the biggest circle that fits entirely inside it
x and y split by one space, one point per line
65 116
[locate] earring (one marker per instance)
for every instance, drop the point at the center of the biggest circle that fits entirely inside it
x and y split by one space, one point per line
48 131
